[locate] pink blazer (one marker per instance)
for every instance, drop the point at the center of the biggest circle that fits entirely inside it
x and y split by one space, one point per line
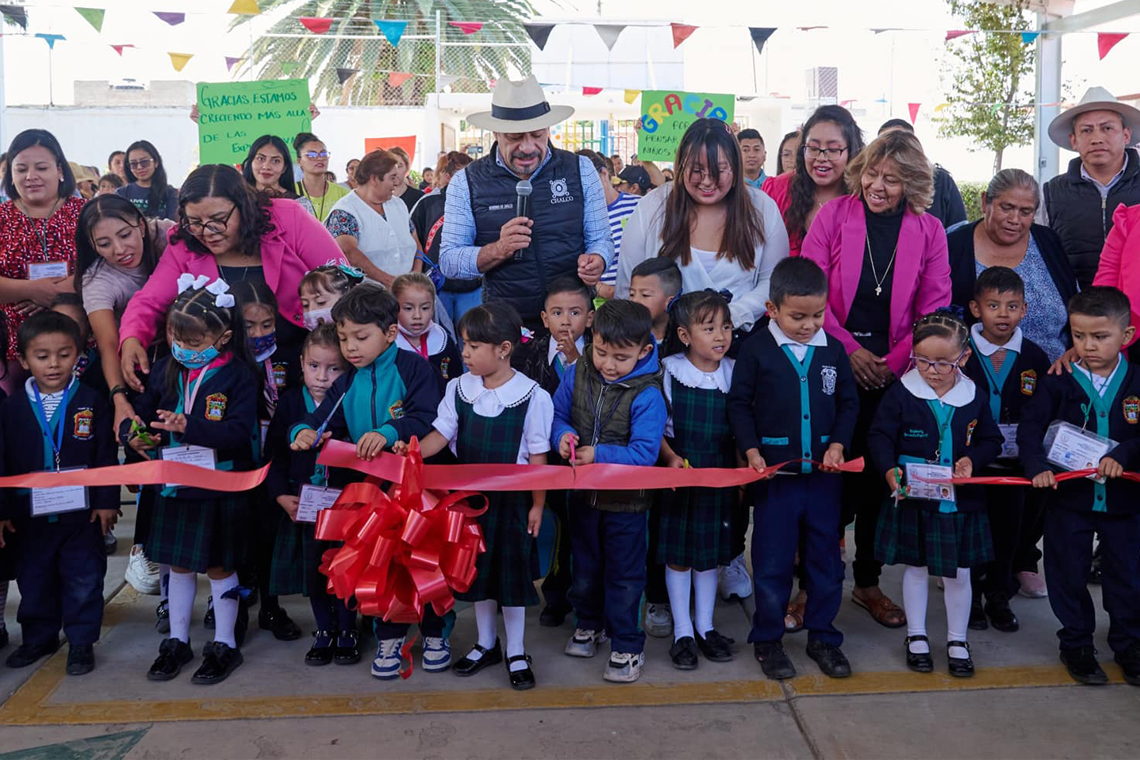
1120 260
297 244
920 284
779 189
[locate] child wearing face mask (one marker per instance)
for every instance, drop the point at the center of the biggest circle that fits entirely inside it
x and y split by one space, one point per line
419 332
203 397
321 288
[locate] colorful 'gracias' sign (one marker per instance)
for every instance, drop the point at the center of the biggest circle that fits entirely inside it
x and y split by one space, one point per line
231 115
666 114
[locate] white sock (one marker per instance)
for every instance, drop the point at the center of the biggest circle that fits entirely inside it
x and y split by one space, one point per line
225 610
514 620
957 599
916 590
704 583
678 583
487 624
183 586
164 581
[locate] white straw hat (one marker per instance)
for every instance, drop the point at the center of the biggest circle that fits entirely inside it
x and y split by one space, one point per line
519 107
1096 99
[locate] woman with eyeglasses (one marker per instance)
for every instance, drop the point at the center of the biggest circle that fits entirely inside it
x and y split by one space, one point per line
831 139
146 182
886 265
227 229
313 158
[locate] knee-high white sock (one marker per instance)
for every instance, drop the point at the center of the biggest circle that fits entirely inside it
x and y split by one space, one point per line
225 610
182 589
486 623
164 581
678 584
514 620
957 597
704 583
916 590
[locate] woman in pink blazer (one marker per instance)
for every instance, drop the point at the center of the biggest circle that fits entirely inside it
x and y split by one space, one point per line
226 229
1120 262
886 264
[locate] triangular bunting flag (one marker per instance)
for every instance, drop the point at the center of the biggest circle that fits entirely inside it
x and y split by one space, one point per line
174 19
591 90
50 39
15 14
956 33
539 33
846 103
119 48
760 35
886 29
316 25
467 27
1028 38
444 80
397 78
609 33
809 28
631 95
681 33
179 60
392 30
94 16
245 8
343 75
231 61
288 67
913 111
1106 41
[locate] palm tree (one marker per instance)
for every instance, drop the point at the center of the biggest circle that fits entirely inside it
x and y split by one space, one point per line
354 42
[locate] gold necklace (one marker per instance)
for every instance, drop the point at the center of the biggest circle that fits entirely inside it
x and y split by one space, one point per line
880 280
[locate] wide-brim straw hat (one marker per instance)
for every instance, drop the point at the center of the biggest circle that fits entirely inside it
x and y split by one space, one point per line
1096 99
519 107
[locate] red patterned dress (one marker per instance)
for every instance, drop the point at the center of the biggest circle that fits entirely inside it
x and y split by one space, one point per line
24 240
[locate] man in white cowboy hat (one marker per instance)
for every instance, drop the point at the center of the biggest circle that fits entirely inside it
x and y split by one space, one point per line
1079 203
567 229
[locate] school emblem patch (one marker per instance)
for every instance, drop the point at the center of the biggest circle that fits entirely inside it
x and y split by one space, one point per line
84 421
444 364
396 410
1132 410
970 430
215 407
1029 381
828 374
279 375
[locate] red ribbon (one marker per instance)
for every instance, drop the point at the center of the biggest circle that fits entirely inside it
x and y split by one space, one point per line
144 474
1010 480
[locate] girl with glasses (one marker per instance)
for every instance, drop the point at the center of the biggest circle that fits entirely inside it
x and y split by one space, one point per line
146 182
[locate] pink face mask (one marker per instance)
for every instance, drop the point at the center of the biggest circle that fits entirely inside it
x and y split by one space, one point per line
314 318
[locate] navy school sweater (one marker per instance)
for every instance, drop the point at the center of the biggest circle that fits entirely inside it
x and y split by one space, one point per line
446 360
1068 397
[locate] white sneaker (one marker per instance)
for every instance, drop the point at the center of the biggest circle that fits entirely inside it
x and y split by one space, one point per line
584 642
141 573
624 667
386 666
437 654
735 580
659 620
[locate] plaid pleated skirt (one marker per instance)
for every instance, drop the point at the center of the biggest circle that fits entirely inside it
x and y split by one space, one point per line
198 534
506 572
694 527
941 542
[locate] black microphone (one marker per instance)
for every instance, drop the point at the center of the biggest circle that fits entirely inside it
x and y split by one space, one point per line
523 189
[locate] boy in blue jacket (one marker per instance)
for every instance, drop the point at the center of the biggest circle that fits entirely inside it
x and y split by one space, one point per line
611 409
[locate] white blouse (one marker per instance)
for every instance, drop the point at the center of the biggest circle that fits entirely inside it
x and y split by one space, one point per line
491 403
679 368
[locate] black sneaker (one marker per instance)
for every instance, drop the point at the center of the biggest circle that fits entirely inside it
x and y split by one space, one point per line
321 652
714 647
162 616
279 622
1000 614
683 653
218 661
1083 667
978 620
80 659
172 655
552 617
1129 662
26 654
774 661
830 658
208 621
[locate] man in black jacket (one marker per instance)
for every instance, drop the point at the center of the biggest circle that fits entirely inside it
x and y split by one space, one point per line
948 206
1079 203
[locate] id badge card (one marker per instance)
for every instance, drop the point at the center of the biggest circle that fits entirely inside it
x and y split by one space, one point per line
263 426
917 486
1009 442
60 499
199 456
41 270
313 500
1071 448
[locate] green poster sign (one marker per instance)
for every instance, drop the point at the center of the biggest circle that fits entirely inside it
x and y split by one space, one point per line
231 115
666 114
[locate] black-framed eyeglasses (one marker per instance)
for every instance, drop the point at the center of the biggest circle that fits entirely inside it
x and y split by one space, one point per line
698 173
142 163
830 154
216 226
317 154
939 367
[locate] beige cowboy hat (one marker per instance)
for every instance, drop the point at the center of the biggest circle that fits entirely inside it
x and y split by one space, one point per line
1096 99
519 107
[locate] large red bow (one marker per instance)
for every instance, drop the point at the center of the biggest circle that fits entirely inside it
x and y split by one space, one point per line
403 549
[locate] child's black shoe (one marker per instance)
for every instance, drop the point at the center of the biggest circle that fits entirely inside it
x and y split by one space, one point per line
1083 667
469 667
162 616
1129 662
26 654
321 653
774 661
80 659
683 653
347 650
279 622
523 679
714 647
830 658
960 667
919 662
218 661
172 655
978 620
1001 615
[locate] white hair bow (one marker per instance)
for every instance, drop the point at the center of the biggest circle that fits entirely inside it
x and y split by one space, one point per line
222 297
187 281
